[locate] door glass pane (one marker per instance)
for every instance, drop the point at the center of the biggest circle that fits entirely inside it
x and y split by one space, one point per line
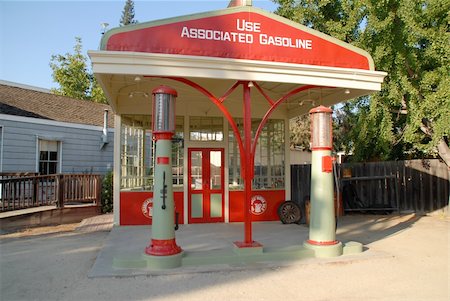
216 205
215 163
196 170
197 205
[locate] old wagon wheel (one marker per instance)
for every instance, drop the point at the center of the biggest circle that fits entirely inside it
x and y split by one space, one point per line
289 212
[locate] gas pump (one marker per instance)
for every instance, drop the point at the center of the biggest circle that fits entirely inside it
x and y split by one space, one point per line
163 251
322 227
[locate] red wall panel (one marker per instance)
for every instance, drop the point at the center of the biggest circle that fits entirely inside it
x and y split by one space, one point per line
131 207
273 199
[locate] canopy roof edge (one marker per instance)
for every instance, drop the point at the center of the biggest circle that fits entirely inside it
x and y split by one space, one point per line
131 63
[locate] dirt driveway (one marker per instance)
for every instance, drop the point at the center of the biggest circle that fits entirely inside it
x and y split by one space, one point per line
414 265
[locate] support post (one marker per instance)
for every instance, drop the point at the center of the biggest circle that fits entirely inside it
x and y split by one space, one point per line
247 162
60 190
35 183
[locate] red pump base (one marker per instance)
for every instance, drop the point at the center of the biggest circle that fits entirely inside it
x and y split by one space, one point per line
163 247
243 244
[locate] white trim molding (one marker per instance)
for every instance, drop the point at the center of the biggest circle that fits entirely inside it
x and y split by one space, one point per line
154 64
52 122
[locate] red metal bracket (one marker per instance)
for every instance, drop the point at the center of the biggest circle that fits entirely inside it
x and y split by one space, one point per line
247 147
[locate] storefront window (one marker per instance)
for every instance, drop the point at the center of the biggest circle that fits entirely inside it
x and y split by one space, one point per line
177 152
206 128
137 152
269 157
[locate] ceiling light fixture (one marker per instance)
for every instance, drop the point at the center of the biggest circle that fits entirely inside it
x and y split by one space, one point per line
132 94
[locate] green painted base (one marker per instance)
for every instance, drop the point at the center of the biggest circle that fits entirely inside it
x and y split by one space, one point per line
234 256
150 262
325 251
231 256
246 256
163 262
129 262
352 247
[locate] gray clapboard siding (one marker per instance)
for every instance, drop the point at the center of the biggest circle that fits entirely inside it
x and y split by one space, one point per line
81 151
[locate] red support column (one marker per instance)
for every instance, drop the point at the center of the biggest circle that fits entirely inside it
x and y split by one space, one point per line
247 160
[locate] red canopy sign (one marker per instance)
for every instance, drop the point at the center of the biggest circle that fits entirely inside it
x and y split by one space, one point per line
239 35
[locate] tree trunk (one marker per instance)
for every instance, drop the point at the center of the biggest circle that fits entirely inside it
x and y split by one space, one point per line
444 151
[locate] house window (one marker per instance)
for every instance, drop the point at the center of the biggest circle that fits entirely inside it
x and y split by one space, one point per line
206 128
48 157
138 150
269 156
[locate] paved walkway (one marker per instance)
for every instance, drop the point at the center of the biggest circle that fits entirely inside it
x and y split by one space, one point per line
12 213
413 265
97 223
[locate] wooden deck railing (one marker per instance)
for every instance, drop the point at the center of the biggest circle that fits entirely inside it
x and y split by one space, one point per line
24 191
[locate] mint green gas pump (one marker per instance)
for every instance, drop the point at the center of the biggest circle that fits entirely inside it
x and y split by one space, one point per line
322 227
163 251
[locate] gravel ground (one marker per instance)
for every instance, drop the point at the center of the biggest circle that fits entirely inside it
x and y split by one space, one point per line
52 263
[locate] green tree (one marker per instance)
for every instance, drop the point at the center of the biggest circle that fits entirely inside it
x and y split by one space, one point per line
128 14
300 132
75 80
410 40
107 193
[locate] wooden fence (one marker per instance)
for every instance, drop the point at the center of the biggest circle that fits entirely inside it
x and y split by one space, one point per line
414 185
20 191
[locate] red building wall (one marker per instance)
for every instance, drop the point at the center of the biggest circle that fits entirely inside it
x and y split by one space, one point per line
134 211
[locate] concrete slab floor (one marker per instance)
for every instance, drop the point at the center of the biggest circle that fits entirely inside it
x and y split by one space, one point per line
206 247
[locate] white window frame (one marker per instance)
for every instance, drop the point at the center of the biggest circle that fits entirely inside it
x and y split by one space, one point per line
59 150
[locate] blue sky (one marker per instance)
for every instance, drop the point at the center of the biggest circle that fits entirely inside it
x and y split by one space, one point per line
31 31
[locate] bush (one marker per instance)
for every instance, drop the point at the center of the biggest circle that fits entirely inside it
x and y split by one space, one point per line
107 193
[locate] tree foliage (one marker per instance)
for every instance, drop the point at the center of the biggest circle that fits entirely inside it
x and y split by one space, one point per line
75 80
408 39
300 133
107 193
128 14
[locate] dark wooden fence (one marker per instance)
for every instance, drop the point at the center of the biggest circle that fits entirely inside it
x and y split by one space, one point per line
415 185
20 191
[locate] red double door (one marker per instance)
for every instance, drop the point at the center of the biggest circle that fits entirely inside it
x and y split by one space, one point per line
206 185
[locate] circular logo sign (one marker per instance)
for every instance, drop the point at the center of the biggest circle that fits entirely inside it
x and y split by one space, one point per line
147 208
258 204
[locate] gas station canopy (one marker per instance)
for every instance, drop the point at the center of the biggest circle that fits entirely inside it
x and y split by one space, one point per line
216 49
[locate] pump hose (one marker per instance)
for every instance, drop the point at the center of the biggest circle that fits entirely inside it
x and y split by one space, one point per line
338 203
